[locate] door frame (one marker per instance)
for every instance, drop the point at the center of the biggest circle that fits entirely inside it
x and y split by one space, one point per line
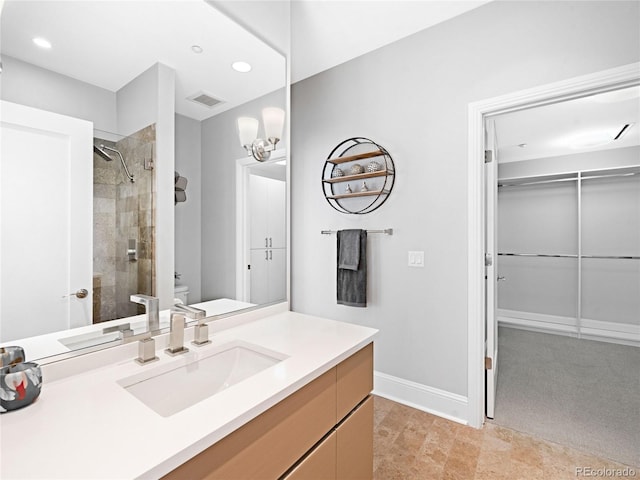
243 165
611 79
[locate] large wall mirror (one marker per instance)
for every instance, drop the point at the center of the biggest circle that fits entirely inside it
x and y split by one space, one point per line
122 172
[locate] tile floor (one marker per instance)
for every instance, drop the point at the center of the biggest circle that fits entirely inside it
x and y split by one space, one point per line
411 444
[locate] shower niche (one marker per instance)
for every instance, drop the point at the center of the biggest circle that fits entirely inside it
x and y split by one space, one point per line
123 222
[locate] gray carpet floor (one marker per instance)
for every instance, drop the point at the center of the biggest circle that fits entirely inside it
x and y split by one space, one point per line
580 393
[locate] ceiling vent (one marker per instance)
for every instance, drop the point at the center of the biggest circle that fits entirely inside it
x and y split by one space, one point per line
204 99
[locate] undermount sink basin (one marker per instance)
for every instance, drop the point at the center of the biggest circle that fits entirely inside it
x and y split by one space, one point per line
169 389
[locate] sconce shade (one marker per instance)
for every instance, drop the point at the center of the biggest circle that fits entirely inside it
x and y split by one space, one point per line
247 130
273 119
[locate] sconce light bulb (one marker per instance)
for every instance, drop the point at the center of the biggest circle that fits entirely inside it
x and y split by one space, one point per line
273 119
247 130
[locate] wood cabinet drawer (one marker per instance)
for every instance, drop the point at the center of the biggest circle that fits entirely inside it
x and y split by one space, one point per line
355 380
320 464
267 446
355 444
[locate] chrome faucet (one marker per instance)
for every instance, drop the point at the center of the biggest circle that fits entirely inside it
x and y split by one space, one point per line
146 347
179 314
152 310
176 336
201 331
189 312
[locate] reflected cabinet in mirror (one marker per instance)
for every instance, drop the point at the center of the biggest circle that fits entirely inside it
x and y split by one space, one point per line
123 171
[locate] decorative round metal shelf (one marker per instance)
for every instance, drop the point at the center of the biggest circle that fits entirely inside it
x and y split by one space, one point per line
351 187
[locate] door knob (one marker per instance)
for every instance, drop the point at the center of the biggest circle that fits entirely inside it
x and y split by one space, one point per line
82 293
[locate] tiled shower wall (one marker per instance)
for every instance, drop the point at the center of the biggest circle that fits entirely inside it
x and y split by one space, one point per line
123 211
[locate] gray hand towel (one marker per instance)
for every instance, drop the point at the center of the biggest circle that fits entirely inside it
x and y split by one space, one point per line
352 278
349 249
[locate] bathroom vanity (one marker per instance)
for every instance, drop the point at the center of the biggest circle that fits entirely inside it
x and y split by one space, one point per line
291 399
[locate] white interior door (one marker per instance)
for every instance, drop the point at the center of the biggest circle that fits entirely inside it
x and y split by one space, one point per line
259 276
46 222
491 250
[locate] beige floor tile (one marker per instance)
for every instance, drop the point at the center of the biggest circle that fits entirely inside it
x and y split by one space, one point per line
410 444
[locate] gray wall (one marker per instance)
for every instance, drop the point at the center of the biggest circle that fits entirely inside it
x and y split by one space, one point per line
220 150
137 102
38 87
187 214
412 97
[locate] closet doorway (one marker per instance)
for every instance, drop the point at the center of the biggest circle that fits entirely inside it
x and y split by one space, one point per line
567 271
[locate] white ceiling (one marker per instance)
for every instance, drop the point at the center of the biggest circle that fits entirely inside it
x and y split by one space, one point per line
326 33
109 43
551 130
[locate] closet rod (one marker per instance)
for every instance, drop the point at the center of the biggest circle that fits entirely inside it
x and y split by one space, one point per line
537 255
624 257
386 231
568 179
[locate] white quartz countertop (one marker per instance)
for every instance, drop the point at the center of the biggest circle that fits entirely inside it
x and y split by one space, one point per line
85 425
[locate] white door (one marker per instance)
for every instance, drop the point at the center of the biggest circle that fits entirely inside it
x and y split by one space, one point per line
259 276
258 212
267 203
45 223
277 213
491 262
277 274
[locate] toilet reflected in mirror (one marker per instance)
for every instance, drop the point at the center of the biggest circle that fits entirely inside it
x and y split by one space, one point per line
181 294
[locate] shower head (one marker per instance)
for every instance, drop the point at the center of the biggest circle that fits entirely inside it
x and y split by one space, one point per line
105 155
101 153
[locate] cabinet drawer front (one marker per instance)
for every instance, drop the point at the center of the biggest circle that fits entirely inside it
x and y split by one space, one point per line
355 444
320 464
267 446
355 380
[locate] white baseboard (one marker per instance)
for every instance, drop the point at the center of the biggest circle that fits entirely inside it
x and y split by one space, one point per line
428 399
612 332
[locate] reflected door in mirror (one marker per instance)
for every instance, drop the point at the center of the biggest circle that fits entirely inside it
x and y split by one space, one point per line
267 205
46 222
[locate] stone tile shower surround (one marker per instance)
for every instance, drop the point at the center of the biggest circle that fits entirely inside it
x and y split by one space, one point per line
123 211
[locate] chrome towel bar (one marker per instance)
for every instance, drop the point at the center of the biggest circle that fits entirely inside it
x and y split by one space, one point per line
624 257
386 231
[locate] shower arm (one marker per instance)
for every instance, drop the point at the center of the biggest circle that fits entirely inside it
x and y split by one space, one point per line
124 165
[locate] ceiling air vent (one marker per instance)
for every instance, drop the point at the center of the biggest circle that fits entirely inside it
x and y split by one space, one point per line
204 99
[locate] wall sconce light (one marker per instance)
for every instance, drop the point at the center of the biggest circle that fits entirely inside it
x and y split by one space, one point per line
273 119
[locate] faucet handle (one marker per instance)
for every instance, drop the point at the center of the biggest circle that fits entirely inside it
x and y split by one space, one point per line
201 335
146 350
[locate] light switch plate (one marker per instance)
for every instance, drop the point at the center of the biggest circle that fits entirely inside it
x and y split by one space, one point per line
416 259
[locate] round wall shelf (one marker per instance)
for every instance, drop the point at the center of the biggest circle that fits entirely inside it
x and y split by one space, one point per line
358 176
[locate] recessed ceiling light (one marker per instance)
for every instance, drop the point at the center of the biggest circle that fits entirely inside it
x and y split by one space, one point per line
242 67
42 42
590 139
197 49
